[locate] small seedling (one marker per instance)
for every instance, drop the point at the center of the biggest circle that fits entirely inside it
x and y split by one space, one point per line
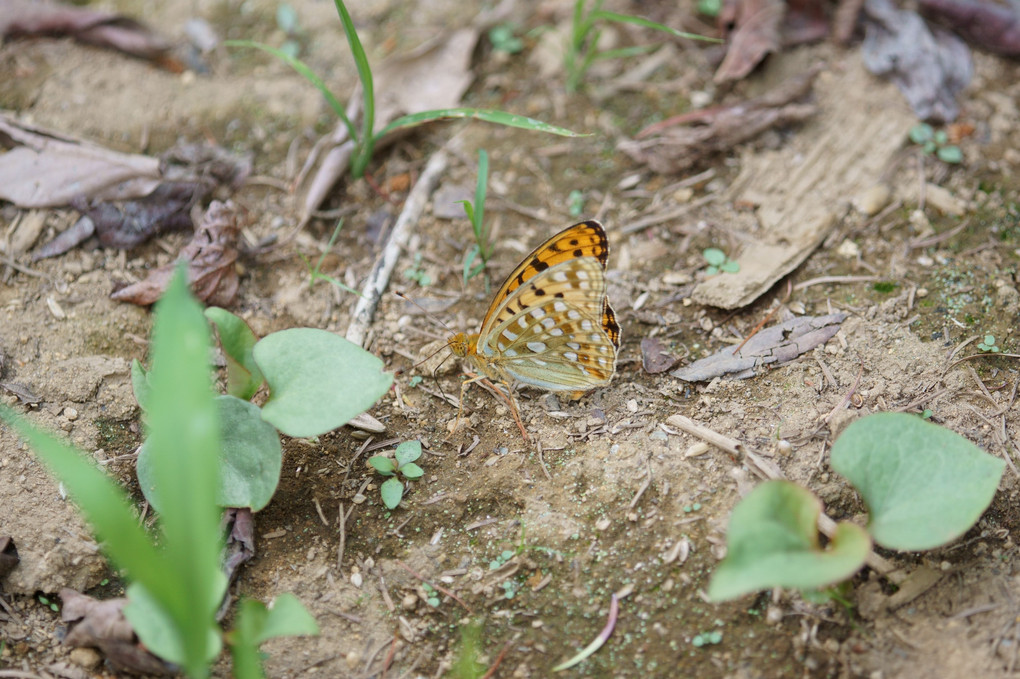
365 139
719 261
482 249
707 639
416 272
314 272
935 142
709 8
988 345
287 22
431 595
52 605
503 39
582 45
401 464
575 203
502 559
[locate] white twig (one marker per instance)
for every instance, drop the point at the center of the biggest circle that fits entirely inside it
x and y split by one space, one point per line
399 237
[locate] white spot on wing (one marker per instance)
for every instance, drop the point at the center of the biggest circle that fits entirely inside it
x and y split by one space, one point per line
586 325
574 345
559 306
537 347
559 276
556 332
509 335
548 323
573 314
570 355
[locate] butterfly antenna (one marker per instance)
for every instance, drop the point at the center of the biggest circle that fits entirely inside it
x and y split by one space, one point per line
428 314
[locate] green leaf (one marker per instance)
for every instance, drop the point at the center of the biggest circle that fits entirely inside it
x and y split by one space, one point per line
153 624
639 21
392 490
921 133
411 471
256 624
772 541
924 484
714 256
481 187
363 151
251 459
140 384
382 464
183 442
318 380
408 451
485 115
287 618
950 154
730 266
237 340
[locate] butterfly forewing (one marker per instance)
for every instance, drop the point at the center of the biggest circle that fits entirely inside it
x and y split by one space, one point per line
586 239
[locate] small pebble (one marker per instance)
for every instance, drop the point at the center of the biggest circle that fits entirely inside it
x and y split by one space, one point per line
602 524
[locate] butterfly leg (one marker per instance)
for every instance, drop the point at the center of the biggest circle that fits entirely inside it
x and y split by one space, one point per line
460 403
509 398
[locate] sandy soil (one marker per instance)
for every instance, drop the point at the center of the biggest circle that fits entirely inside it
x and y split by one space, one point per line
602 499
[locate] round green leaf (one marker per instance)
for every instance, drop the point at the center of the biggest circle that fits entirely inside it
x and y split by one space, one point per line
408 451
772 541
714 256
412 471
251 459
392 490
237 340
318 380
383 464
924 484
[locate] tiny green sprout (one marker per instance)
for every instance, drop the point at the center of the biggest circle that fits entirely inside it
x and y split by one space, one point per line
402 464
287 22
509 589
709 8
575 203
884 287
935 143
503 39
988 345
415 381
500 560
431 595
926 414
707 638
416 272
719 261
482 249
52 605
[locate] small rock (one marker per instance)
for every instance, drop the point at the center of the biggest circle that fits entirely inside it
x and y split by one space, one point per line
873 200
848 250
88 658
602 524
943 201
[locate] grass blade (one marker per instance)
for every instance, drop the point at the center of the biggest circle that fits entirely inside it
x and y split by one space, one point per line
363 151
486 115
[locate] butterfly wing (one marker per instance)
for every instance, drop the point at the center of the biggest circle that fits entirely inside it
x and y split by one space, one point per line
557 331
585 239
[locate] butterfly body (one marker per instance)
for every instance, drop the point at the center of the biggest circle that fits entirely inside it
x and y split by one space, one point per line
550 324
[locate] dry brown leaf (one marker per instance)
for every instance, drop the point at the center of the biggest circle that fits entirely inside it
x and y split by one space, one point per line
987 25
757 34
211 257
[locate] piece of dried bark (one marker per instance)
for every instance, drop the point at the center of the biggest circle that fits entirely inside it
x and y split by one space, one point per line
768 349
211 256
675 149
9 558
929 66
102 625
655 356
104 29
987 25
756 35
240 547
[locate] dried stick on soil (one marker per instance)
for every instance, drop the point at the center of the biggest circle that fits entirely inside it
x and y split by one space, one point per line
768 470
399 237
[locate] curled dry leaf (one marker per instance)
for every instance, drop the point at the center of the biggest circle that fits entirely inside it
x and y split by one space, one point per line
768 349
655 356
679 143
102 625
211 257
987 25
756 35
240 547
929 66
104 29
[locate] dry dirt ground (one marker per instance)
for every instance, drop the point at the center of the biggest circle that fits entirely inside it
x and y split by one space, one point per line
610 498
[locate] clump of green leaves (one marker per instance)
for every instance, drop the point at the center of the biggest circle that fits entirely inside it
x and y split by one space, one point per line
416 272
176 587
988 344
903 467
582 46
400 465
365 139
935 142
482 249
504 39
315 272
719 261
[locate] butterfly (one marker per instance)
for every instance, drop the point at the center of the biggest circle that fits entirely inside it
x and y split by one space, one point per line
550 324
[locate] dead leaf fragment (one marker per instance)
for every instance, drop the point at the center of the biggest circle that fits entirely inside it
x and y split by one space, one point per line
768 349
987 25
102 625
667 147
655 356
211 256
929 66
756 35
104 29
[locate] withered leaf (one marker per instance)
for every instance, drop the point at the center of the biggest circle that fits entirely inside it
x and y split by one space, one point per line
769 348
655 356
988 25
756 35
101 624
211 256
